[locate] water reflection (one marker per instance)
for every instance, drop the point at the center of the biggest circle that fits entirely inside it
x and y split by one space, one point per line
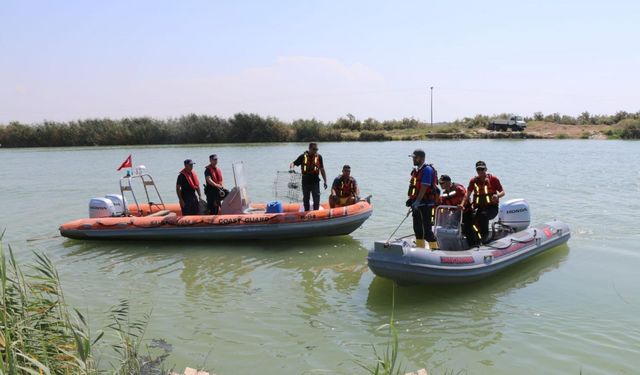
434 320
223 273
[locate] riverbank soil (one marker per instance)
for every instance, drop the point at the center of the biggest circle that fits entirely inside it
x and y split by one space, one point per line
541 129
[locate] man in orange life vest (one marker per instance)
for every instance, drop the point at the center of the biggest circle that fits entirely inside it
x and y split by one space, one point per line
423 194
487 191
452 194
214 188
186 188
344 190
312 166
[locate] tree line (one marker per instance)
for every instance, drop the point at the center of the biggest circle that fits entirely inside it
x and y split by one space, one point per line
243 127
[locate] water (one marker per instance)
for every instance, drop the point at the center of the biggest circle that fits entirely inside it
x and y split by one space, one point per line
312 306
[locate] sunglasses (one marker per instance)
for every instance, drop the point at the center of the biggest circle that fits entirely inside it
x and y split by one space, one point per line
481 169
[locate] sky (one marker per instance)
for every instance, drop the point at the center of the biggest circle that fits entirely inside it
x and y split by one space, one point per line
70 60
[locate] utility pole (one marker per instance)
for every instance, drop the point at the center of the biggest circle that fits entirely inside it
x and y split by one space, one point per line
431 106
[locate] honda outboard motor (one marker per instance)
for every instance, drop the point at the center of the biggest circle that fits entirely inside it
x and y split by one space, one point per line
101 207
119 203
515 214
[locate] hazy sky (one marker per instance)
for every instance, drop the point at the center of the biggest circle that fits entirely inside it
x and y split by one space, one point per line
66 60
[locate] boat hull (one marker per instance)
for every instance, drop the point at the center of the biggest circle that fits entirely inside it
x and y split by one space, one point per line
403 263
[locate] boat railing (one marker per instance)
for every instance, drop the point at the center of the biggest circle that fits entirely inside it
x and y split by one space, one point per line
127 184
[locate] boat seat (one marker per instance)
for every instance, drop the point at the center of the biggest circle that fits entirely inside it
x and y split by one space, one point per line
160 213
450 239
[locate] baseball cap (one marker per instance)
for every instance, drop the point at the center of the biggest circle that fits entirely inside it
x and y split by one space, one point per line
213 156
445 177
481 164
417 152
188 162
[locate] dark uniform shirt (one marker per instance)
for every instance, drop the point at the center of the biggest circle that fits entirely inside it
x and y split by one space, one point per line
185 186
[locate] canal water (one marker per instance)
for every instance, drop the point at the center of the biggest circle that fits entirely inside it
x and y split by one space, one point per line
312 306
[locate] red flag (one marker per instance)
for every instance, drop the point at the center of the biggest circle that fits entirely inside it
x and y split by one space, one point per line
126 163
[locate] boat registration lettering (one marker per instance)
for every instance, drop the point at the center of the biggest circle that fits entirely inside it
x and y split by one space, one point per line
257 219
231 220
456 260
240 219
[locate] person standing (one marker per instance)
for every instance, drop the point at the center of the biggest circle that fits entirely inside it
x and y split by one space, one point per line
344 190
312 167
214 188
187 187
423 194
487 191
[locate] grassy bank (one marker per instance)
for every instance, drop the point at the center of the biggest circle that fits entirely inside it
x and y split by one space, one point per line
243 128
40 334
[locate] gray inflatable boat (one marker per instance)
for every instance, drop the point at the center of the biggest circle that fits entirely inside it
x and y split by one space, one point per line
512 241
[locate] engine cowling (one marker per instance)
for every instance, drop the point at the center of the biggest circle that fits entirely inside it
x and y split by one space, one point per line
515 214
119 203
101 207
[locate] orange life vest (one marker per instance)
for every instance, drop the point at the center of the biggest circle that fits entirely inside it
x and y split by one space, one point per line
415 184
311 164
482 192
453 197
348 188
216 174
192 179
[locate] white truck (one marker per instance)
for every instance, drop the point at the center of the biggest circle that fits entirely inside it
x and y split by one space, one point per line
515 123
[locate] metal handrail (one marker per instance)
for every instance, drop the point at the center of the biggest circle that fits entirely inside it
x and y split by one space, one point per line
147 180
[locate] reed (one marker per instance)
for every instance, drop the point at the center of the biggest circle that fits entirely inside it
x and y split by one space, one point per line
41 335
387 363
38 333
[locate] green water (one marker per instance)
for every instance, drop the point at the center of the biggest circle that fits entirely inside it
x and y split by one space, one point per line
312 306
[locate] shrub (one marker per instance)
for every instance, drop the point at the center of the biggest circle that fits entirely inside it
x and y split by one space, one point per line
630 130
373 136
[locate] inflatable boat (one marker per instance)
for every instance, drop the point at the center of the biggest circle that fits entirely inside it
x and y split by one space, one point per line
111 217
511 241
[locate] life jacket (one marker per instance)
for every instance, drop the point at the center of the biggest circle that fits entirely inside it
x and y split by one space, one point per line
482 191
453 197
311 164
192 178
348 188
216 174
415 184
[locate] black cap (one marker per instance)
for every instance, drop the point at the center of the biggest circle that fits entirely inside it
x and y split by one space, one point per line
481 164
189 162
213 156
418 152
445 177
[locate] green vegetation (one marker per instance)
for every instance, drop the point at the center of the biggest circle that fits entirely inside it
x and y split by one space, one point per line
40 335
585 118
244 127
387 363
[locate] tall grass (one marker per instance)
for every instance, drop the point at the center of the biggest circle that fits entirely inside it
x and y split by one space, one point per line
387 363
40 335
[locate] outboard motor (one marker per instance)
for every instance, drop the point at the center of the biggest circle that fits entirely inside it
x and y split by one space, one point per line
515 214
101 207
119 203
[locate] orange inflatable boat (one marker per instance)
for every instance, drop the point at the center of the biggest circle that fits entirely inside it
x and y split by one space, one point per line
112 218
157 224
